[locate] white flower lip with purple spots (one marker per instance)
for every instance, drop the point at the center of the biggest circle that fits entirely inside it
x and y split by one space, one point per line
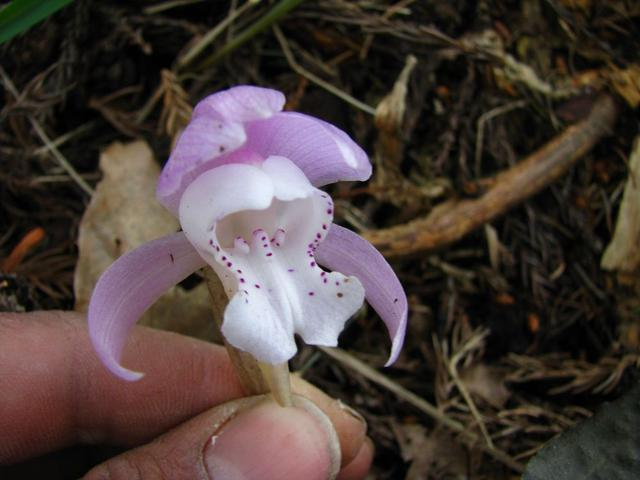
243 181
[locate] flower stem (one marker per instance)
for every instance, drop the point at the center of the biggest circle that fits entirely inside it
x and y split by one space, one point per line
278 379
257 378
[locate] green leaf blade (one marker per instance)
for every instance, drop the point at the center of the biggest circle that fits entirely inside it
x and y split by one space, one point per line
20 15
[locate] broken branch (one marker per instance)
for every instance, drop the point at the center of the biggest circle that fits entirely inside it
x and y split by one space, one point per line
453 220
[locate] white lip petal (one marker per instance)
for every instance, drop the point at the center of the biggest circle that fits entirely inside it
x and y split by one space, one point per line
258 227
288 180
292 299
218 193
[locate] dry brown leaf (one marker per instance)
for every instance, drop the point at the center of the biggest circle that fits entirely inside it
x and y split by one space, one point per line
389 183
411 439
123 214
433 455
626 83
486 383
623 253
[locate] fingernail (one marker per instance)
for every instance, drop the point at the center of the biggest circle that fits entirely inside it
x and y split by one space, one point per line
360 465
355 414
357 428
349 424
271 442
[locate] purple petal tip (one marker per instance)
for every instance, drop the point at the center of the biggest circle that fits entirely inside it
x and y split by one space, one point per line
397 340
347 252
128 287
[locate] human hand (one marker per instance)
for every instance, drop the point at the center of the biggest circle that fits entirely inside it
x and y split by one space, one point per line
186 419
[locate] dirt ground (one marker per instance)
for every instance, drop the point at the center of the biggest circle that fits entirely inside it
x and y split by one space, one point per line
501 134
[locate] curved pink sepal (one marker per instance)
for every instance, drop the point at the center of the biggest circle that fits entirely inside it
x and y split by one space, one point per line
351 254
323 152
128 287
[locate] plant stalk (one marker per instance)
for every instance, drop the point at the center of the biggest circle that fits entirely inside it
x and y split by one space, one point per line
257 378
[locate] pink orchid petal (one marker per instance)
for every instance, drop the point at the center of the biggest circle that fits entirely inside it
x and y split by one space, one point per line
130 285
214 137
241 104
204 144
244 125
323 152
351 254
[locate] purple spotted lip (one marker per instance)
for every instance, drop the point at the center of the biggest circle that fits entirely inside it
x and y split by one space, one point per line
243 181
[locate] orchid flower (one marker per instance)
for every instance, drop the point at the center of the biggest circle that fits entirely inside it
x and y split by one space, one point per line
242 179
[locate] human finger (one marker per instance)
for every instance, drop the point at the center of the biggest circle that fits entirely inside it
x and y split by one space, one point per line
358 468
55 393
251 438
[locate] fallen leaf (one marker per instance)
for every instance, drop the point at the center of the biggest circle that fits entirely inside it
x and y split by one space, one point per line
623 253
486 383
626 83
388 182
433 455
411 439
123 214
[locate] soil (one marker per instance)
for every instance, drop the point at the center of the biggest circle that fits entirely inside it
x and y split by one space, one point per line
515 331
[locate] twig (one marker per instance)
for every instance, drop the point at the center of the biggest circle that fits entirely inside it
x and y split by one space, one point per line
390 12
212 34
64 138
369 373
28 242
484 118
317 80
161 7
453 220
452 366
267 20
64 163
63 178
150 104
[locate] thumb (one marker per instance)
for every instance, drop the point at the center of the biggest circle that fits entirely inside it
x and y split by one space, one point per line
249 438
